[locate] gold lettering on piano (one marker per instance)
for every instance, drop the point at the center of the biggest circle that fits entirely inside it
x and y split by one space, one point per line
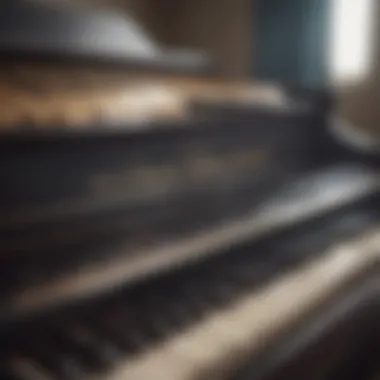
189 171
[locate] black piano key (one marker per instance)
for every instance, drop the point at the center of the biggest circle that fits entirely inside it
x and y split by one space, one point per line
62 366
7 375
68 368
25 368
134 319
7 370
152 318
124 329
156 317
43 349
81 342
187 307
109 325
182 311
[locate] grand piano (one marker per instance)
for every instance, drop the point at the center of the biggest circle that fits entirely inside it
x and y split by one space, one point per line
160 222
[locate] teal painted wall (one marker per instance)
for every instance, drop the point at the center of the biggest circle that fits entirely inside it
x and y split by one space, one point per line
291 41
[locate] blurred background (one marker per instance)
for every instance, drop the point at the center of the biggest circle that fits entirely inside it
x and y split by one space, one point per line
311 42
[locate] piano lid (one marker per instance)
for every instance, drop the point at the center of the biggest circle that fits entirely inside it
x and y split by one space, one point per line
57 32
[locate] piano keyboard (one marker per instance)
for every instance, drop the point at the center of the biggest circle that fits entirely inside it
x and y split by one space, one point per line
295 204
224 342
201 321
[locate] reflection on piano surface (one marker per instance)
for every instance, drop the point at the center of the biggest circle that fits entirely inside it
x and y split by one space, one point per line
171 225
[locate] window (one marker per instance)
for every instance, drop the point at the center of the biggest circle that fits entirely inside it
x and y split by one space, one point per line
351 42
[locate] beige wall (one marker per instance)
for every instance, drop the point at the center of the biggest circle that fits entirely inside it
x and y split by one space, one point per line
221 28
361 103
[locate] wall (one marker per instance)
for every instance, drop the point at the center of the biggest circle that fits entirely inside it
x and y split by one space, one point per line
291 41
360 103
223 28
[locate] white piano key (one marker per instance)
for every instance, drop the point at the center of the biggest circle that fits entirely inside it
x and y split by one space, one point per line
218 344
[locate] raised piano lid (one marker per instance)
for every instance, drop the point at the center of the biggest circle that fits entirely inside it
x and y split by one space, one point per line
31 29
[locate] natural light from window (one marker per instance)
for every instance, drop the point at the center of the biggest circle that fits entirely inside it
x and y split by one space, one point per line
351 42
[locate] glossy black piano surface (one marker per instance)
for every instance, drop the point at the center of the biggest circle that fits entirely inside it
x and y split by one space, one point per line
92 336
118 240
